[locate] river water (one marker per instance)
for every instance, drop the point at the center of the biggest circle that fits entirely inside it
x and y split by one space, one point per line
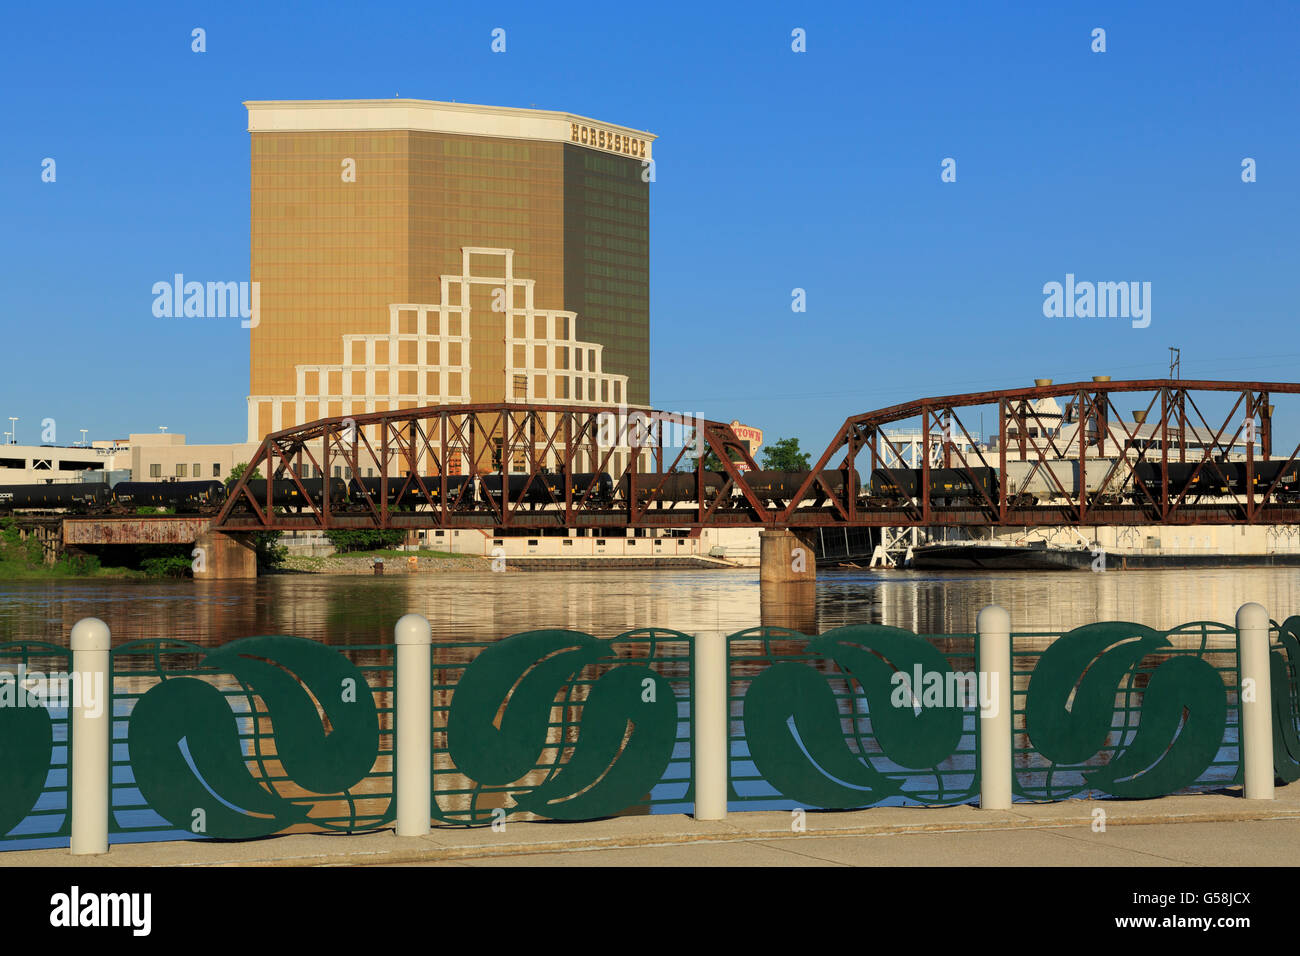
473 606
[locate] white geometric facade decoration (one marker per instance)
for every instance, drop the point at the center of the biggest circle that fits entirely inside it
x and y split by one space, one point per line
428 347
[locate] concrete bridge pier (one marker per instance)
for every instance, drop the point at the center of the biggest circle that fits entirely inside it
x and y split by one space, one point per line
787 576
786 557
223 557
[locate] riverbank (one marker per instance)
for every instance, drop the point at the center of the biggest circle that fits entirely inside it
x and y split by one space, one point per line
22 558
395 562
400 562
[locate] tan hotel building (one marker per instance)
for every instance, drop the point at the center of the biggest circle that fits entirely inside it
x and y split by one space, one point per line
411 253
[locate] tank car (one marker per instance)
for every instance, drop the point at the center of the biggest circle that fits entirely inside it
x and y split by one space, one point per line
75 497
183 497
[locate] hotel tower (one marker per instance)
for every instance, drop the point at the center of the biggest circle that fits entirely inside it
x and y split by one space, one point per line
411 253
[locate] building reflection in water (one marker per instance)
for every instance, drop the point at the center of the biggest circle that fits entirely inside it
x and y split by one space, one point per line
792 605
476 606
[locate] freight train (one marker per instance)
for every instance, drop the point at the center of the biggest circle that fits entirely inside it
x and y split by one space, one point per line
132 497
1109 481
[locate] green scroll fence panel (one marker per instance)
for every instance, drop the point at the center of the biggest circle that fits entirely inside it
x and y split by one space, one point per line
562 725
865 715
229 742
35 694
1284 674
1121 709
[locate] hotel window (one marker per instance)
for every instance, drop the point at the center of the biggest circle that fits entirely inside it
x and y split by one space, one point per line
216 470
180 471
198 470
155 471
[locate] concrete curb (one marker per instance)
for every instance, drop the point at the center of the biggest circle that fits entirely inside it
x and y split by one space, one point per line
669 830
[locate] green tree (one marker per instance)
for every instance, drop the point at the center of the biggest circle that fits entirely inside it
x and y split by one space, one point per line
784 455
711 461
270 553
345 541
238 472
266 544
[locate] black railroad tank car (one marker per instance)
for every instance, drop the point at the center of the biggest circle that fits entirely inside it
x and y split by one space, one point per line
598 487
547 488
1266 473
1209 481
76 497
542 489
285 492
783 485
180 496
671 488
405 492
956 483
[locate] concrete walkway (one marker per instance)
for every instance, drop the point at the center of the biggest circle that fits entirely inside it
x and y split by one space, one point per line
1219 829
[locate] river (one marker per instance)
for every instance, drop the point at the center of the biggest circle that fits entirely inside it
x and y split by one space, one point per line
472 606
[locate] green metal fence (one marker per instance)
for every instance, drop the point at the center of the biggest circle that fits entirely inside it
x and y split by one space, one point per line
35 796
1284 657
540 760
278 734
202 769
1121 709
783 755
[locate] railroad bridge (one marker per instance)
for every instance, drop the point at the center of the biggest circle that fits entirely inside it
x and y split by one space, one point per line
1199 452
1102 453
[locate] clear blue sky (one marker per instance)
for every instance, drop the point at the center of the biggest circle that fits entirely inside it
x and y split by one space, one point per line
775 170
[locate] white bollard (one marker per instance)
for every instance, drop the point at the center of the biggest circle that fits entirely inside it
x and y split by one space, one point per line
711 717
90 729
1256 702
413 740
993 627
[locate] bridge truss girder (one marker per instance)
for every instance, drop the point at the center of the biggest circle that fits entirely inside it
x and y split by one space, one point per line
565 436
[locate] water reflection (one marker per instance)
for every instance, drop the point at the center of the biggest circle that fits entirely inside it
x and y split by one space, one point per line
486 606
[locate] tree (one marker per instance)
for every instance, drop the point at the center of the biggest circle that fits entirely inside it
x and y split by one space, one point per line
784 455
266 544
711 460
238 472
375 540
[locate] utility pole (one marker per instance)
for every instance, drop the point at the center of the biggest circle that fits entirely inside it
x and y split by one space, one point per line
1175 362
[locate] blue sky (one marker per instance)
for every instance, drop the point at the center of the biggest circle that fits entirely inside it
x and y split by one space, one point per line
775 170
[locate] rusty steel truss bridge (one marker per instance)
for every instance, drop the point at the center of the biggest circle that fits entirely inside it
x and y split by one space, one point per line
537 467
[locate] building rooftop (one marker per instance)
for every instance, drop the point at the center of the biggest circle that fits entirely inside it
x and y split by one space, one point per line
435 116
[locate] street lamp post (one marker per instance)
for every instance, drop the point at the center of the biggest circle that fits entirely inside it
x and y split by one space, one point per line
13 423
